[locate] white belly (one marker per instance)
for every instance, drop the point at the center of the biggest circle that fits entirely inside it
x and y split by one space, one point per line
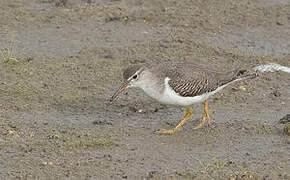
169 96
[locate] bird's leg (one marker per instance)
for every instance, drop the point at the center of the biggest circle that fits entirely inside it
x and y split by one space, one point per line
207 111
172 131
205 116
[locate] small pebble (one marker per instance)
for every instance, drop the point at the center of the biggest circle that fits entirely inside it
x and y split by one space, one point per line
277 93
10 132
125 176
242 88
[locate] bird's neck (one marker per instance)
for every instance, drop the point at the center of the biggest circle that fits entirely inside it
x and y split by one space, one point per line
151 84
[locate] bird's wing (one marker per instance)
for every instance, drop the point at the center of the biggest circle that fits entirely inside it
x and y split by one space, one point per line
190 79
195 83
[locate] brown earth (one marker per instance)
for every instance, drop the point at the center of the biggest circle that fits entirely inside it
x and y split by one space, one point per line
55 118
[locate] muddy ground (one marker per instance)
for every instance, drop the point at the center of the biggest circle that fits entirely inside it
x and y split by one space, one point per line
55 118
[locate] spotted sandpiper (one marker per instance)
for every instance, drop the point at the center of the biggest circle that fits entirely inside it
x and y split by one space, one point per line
179 83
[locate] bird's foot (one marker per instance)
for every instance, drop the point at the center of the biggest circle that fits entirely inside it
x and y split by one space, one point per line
205 117
199 126
167 131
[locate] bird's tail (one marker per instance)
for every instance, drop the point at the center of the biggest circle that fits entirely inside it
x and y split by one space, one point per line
242 74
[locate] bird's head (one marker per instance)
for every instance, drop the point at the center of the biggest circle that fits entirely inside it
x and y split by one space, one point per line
131 78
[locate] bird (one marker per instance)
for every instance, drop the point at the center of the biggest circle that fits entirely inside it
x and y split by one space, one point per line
179 83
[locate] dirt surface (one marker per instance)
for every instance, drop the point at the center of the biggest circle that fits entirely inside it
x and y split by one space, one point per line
55 118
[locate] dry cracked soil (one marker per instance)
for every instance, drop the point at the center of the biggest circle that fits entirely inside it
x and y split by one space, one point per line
62 60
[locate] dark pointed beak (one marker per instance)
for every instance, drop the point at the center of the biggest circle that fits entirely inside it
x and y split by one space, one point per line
122 88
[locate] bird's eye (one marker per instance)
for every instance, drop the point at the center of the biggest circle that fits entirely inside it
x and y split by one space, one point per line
135 76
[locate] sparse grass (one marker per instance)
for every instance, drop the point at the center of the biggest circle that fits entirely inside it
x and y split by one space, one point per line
79 142
215 164
220 164
7 54
286 129
100 142
225 168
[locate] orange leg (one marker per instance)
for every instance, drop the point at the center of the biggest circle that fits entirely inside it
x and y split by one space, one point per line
172 131
205 116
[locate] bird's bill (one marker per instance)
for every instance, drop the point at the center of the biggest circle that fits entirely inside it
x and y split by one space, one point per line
122 88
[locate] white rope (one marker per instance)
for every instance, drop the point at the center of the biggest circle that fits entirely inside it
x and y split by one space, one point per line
271 68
